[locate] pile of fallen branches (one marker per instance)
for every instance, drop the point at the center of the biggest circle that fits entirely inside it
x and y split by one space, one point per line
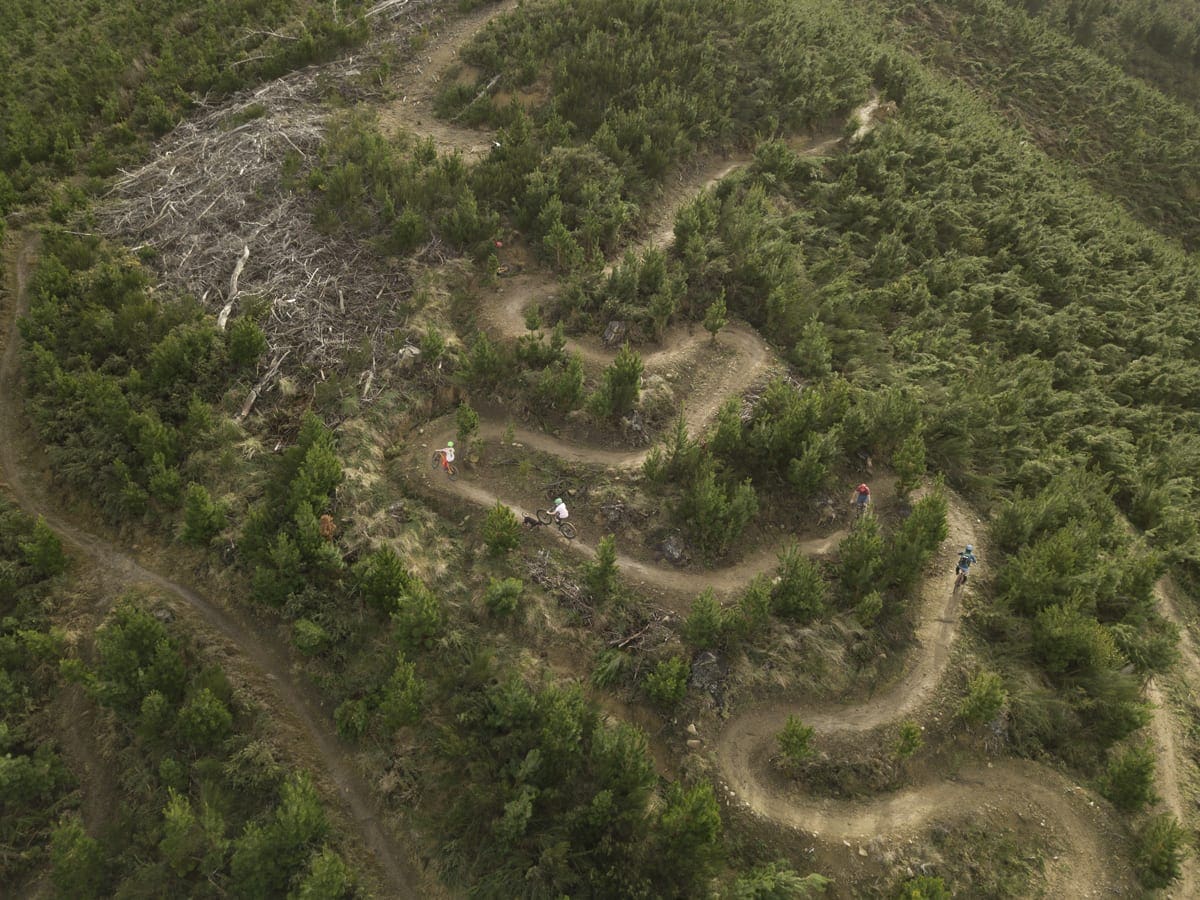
227 229
568 592
213 206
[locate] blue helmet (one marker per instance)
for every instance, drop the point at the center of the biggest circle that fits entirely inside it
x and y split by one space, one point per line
969 549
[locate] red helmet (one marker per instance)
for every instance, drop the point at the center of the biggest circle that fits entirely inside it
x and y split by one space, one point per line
863 489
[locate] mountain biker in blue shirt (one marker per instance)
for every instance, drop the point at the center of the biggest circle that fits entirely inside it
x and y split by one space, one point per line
964 561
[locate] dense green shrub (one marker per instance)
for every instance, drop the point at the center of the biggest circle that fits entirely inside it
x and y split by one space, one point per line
72 102
704 624
213 807
246 342
117 380
610 667
795 742
403 697
43 552
524 762
667 684
78 865
382 578
309 637
399 190
418 618
466 422
777 881
503 596
860 558
600 576
643 112
1137 145
908 739
747 620
204 721
501 529
924 887
619 387
985 698
800 591
484 365
266 856
716 514
913 544
1158 850
203 517
35 781
1128 779
352 718
869 608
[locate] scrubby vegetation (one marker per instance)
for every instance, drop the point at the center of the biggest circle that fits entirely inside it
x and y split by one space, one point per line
122 384
954 291
206 804
35 780
1127 138
86 87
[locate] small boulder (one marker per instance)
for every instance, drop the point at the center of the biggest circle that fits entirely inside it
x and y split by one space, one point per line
615 332
673 550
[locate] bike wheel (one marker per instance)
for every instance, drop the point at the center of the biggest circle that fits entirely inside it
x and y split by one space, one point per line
452 470
436 461
545 516
568 530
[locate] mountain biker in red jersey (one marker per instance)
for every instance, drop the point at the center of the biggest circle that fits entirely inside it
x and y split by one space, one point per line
861 498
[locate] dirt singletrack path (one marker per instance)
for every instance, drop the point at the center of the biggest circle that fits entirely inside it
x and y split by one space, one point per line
745 745
418 85
256 658
1178 778
681 587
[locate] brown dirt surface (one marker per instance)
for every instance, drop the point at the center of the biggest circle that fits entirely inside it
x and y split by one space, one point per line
418 86
252 656
1178 778
747 743
676 588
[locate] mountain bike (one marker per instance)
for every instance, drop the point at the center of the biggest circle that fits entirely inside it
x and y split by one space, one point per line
451 468
565 528
960 578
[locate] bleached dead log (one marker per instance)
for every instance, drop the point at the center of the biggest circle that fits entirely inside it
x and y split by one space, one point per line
223 316
257 390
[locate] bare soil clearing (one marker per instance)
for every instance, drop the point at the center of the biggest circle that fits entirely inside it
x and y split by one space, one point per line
418 86
251 657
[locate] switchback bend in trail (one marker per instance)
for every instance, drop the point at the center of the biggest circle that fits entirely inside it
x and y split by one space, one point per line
1091 864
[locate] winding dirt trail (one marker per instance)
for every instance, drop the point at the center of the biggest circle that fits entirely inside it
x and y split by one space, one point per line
414 109
252 656
679 587
748 741
745 745
1177 774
